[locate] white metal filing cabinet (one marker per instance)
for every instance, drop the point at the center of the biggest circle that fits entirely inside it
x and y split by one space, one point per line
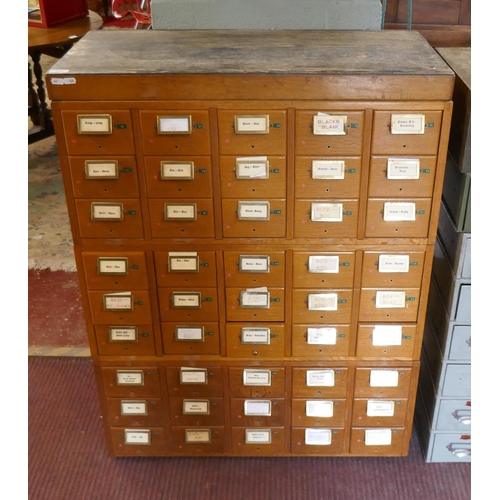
443 408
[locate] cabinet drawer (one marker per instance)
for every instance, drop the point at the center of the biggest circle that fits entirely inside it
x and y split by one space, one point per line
246 340
182 219
178 176
242 306
408 141
258 441
124 444
311 218
193 338
379 412
318 412
175 132
327 177
254 218
104 177
389 305
252 132
322 306
135 340
393 436
460 345
195 381
136 382
110 309
253 177
402 176
385 382
413 216
135 412
257 382
320 341
257 413
323 270
185 269
198 441
456 380
347 125
196 412
392 269
304 441
383 340
188 304
319 382
453 415
115 270
98 133
254 269
117 218
451 447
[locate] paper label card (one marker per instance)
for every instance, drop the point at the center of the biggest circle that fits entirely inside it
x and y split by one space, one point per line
257 377
407 124
394 263
174 124
198 436
130 377
399 212
326 212
190 333
387 299
322 336
95 169
198 407
378 437
254 263
323 264
318 437
182 263
316 408
177 170
178 211
194 376
255 299
328 169
387 335
122 301
402 168
384 378
133 408
377 408
123 334
186 300
100 211
325 124
322 301
258 436
253 407
94 124
138 436
320 378
252 168
251 124
112 265
254 210
256 336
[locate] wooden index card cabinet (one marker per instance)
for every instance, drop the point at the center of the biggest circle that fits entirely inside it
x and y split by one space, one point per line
254 217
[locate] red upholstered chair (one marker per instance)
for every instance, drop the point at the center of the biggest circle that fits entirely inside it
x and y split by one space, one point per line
140 10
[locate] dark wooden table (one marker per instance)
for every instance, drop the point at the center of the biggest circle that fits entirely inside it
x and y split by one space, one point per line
54 42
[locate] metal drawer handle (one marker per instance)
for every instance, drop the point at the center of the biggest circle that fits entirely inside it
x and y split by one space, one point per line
468 341
463 416
458 450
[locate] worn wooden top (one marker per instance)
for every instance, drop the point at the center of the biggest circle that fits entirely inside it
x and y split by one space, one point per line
459 59
225 52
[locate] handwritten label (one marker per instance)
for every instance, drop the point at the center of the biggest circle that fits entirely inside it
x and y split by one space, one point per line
255 299
326 212
195 333
402 168
198 436
254 263
103 212
182 212
255 335
133 408
407 124
118 302
328 169
387 335
186 300
318 437
174 124
193 376
252 168
129 377
253 211
262 436
257 377
178 263
197 407
323 264
394 211
123 334
384 378
378 437
94 124
322 336
391 263
254 124
322 301
387 299
177 170
316 408
257 407
112 266
320 378
136 436
101 169
324 124
377 408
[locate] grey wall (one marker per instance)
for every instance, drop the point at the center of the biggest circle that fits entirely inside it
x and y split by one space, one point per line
267 14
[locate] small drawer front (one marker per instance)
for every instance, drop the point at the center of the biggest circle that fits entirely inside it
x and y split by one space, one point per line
189 218
323 269
193 304
457 380
322 306
117 218
319 382
198 441
254 269
402 176
251 441
389 305
185 269
178 176
311 215
392 269
463 306
454 415
257 382
125 445
97 132
196 412
317 441
257 413
104 177
199 381
391 437
327 177
109 309
136 382
413 216
320 341
134 340
193 338
341 133
318 412
249 177
176 133
252 132
460 348
386 382
246 340
393 341
135 412
451 447
402 138
379 412
269 220
239 305
115 270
